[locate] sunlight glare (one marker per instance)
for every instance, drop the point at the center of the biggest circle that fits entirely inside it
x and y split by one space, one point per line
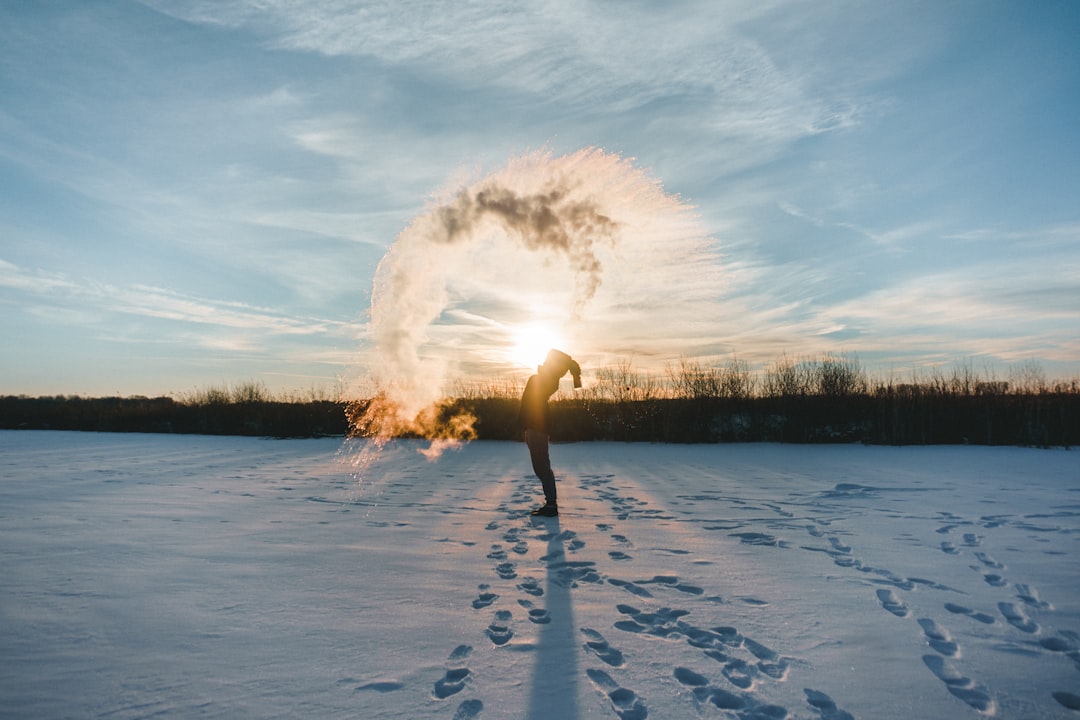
531 343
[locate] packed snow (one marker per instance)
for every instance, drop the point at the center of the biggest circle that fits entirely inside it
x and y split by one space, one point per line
176 577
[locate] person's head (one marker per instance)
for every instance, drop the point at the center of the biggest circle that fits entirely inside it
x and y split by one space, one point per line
557 363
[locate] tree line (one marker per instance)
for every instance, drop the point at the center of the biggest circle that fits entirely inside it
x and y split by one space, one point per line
828 399
245 409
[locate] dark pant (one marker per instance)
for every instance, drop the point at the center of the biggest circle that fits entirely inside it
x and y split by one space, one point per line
541 462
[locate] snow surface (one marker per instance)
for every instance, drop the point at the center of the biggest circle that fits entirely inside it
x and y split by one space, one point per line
175 576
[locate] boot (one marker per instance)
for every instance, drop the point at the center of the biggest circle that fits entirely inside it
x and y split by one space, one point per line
548 510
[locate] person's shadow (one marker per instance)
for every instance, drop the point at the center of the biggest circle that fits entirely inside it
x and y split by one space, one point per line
555 673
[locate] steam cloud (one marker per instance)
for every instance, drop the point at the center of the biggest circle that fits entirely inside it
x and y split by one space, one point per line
553 220
538 211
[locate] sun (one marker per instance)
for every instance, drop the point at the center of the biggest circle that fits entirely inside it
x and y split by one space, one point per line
530 344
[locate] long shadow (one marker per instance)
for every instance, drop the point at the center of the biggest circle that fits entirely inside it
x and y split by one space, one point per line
555 674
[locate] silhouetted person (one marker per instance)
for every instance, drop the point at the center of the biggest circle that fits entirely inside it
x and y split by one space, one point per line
534 417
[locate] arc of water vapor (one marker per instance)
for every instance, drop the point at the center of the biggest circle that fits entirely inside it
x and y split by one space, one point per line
564 205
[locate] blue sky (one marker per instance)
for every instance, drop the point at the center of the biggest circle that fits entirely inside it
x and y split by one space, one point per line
197 193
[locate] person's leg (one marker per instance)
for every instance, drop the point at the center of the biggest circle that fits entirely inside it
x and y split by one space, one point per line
541 462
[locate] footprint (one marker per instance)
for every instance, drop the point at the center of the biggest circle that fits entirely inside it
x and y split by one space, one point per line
755 602
726 700
758 538
688 677
825 706
1016 617
1067 644
382 687
962 610
1030 596
627 705
1067 699
557 554
994 580
730 635
960 686
569 573
600 647
630 587
701 638
706 693
739 673
717 655
760 651
451 683
618 555
892 603
839 547
468 710
931 584
777 670
530 586
539 616
662 623
630 626
485 598
972 540
888 577
689 589
771 663
989 561
461 652
499 631
506 570
673 582
949 548
497 553
939 638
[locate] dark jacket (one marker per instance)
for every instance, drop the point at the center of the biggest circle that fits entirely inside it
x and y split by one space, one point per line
534 413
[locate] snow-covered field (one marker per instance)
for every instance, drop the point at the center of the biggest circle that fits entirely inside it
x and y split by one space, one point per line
169 576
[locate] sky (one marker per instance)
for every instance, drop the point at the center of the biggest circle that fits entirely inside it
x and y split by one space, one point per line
197 193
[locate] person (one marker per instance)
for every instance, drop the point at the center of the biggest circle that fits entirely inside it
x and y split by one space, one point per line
534 417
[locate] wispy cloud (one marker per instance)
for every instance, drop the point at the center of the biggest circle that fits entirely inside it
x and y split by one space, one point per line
160 303
1010 312
572 54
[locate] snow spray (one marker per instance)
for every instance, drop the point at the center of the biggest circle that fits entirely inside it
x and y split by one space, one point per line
542 232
